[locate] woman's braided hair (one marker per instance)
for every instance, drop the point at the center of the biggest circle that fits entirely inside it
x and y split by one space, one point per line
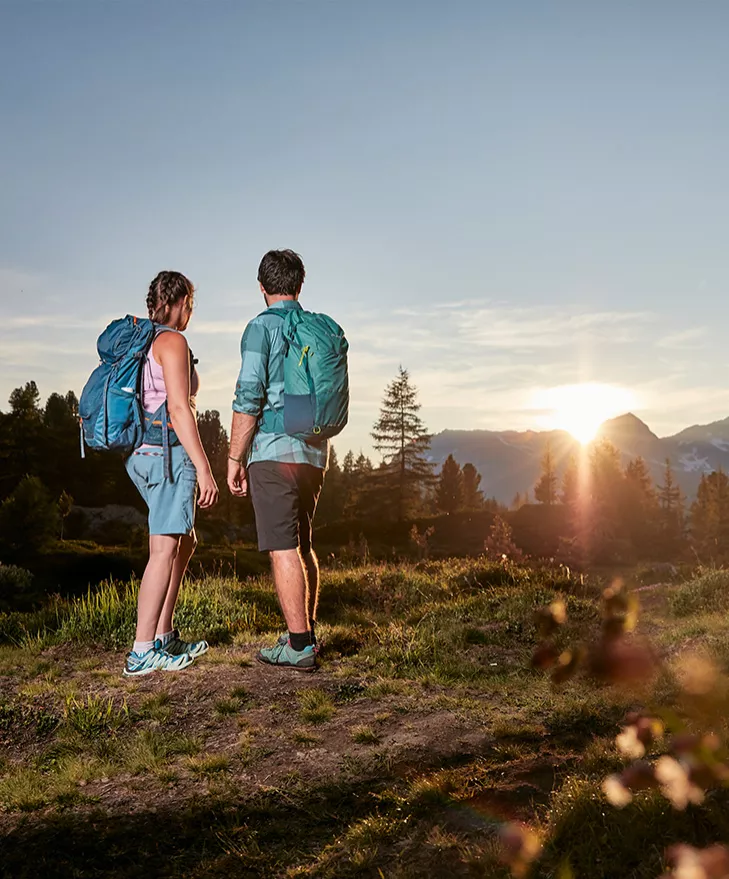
167 289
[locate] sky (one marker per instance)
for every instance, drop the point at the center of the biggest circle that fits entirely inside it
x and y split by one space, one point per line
505 198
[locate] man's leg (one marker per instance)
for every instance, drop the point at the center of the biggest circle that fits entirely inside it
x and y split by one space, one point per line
290 581
311 566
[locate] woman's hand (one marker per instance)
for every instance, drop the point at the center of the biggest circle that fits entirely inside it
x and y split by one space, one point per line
208 489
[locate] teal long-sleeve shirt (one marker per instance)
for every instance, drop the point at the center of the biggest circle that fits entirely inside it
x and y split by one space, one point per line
260 387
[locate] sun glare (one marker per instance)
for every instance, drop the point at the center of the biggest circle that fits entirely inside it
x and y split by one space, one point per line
581 409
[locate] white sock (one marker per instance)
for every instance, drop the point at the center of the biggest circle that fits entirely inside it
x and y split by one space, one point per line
165 637
141 647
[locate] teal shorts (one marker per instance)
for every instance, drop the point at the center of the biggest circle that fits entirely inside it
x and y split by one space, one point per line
171 503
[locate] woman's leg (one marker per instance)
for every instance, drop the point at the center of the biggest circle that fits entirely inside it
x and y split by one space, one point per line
163 551
186 547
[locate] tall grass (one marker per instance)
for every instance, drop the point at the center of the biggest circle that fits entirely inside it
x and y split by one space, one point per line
706 593
106 615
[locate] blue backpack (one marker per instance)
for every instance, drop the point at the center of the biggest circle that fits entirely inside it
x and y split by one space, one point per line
316 380
110 410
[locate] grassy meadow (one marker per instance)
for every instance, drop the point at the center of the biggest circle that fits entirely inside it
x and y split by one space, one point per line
424 733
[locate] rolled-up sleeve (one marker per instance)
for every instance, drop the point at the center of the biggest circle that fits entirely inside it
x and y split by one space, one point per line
250 389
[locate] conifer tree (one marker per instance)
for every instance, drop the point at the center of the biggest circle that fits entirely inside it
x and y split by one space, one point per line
671 502
402 439
500 542
710 516
472 495
545 491
570 483
449 493
640 509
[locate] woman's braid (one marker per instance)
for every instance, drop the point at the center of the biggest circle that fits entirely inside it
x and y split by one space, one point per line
164 291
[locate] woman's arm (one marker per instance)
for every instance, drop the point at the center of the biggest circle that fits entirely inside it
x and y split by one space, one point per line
173 355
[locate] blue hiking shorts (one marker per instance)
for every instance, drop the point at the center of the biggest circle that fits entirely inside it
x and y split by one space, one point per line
171 502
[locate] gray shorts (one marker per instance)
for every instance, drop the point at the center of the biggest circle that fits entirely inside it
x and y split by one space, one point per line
284 500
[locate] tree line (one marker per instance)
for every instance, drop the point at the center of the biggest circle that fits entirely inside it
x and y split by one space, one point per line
615 512
599 510
42 473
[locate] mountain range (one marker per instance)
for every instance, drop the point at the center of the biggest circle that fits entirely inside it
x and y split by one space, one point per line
509 461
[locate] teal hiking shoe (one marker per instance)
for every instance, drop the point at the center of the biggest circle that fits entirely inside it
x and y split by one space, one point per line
176 647
284 656
155 659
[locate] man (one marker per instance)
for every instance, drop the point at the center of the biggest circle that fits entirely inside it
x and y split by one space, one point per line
284 474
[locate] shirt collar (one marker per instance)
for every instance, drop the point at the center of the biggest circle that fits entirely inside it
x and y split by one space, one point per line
286 305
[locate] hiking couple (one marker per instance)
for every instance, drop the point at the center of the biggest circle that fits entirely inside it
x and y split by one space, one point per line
278 453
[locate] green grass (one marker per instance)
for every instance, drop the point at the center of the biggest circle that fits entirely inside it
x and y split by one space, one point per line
95 716
364 735
208 764
315 706
706 593
156 707
425 727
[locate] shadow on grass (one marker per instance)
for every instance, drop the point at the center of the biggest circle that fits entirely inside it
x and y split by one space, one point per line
217 837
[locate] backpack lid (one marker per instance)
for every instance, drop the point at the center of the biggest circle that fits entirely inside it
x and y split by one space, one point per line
126 335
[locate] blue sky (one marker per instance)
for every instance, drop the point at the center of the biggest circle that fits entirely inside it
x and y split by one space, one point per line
503 197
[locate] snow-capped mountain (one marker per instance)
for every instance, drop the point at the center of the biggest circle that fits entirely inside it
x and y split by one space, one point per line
510 461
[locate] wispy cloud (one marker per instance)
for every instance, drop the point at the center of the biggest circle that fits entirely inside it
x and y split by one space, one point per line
685 340
476 364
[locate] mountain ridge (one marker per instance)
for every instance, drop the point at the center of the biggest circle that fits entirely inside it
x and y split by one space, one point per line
509 461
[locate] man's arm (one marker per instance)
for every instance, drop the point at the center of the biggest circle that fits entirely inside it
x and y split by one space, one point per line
250 396
242 431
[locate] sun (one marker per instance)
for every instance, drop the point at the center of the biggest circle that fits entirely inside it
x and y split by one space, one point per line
581 409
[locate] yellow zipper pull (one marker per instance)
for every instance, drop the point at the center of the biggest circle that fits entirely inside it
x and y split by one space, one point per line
303 354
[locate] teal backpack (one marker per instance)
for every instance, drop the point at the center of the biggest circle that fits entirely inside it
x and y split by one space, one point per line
316 380
110 411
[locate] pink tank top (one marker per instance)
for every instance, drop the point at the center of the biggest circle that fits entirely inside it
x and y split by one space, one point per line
154 392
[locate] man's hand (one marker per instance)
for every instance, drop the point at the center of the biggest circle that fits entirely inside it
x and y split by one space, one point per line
237 481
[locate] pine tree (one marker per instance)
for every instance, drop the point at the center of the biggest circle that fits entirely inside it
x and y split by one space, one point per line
402 439
601 524
671 502
215 442
449 494
640 511
710 516
332 498
570 483
65 505
472 495
545 491
499 545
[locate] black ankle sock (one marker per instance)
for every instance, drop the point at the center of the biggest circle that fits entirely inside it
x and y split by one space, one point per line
299 640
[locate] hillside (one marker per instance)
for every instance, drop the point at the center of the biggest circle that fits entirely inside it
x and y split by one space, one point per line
426 732
509 460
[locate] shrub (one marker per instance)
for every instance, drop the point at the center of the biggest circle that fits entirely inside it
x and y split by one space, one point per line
29 518
15 585
709 592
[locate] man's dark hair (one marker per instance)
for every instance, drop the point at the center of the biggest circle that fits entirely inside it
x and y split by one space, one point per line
281 273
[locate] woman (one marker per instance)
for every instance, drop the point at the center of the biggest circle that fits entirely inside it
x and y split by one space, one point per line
169 377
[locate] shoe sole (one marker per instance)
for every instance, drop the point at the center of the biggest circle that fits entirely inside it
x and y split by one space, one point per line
138 674
286 665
